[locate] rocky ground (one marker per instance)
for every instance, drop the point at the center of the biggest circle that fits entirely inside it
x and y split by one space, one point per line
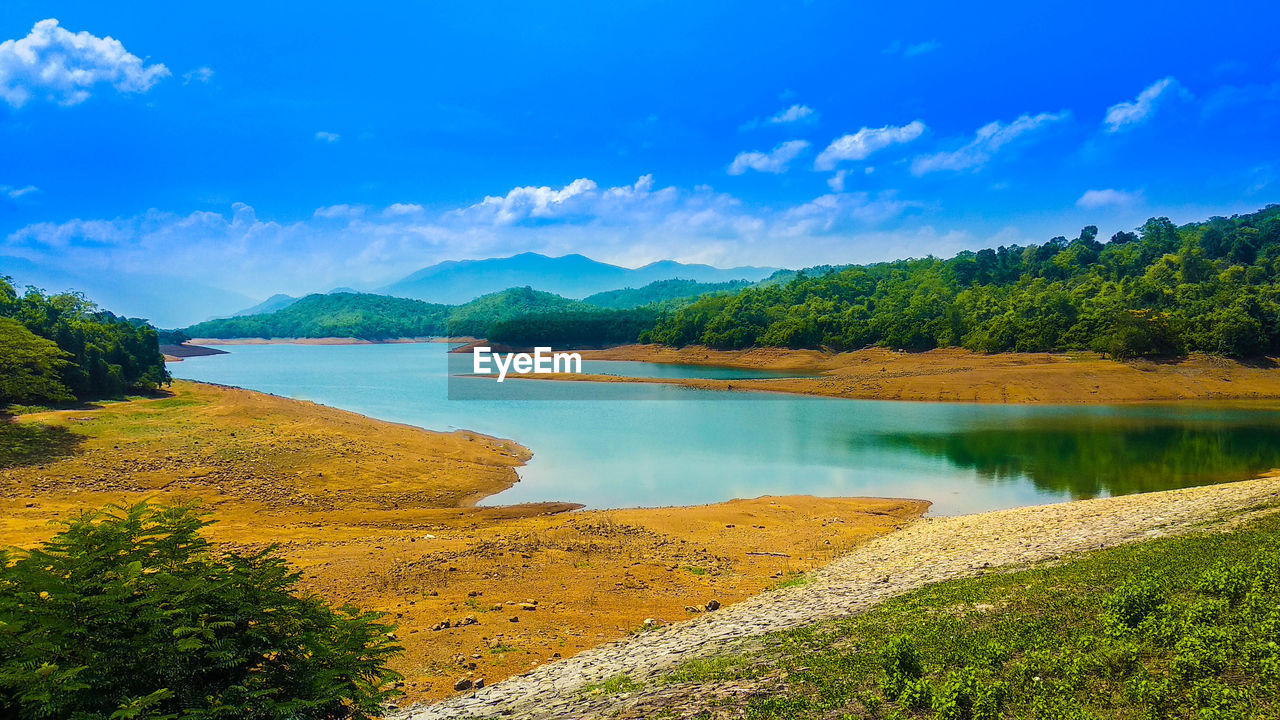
927 551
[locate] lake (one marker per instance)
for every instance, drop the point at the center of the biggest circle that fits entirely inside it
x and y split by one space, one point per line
642 445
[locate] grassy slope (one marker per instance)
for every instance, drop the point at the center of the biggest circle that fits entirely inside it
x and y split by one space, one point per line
1176 628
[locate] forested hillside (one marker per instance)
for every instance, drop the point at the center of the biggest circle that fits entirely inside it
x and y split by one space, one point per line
358 315
476 317
661 291
1209 286
380 317
62 347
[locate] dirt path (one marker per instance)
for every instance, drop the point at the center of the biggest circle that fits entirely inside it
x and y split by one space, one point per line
928 551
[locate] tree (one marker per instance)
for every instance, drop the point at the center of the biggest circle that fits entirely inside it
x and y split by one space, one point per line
30 366
130 613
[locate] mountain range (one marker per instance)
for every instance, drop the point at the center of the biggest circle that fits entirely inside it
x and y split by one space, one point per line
573 276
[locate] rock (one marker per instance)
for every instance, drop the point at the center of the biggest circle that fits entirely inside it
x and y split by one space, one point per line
713 605
514 618
462 684
528 606
692 609
469 620
479 683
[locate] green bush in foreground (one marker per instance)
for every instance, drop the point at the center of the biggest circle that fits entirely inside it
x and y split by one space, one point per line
1179 628
130 613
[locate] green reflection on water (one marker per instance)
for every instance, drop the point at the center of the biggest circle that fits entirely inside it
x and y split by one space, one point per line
1093 456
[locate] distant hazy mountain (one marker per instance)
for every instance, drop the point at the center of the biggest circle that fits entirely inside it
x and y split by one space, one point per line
165 300
279 301
573 276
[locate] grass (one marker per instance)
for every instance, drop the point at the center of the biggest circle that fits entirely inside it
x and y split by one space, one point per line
793 580
611 686
1175 628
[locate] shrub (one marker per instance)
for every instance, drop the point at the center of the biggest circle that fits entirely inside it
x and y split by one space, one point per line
130 613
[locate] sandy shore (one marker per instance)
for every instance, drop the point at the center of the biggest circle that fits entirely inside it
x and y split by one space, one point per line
383 515
961 376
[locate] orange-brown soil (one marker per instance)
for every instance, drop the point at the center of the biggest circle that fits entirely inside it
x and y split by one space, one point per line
383 515
962 376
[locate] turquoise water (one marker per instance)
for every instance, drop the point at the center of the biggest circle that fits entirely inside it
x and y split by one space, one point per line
636 445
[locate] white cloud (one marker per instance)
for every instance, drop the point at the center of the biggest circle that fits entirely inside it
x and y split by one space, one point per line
1094 199
896 47
402 209
14 193
836 182
328 137
795 113
831 212
989 140
63 67
341 210
774 161
202 74
1127 114
921 48
859 145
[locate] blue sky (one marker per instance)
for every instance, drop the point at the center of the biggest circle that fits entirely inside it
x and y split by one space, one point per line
253 148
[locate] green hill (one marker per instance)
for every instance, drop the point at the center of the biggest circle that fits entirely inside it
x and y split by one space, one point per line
381 317
359 315
661 291
476 317
1209 286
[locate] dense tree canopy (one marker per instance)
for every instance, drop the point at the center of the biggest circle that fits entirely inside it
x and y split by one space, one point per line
131 613
359 315
574 328
477 317
678 291
98 354
1208 287
381 317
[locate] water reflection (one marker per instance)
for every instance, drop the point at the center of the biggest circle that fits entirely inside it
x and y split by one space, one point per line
1092 456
